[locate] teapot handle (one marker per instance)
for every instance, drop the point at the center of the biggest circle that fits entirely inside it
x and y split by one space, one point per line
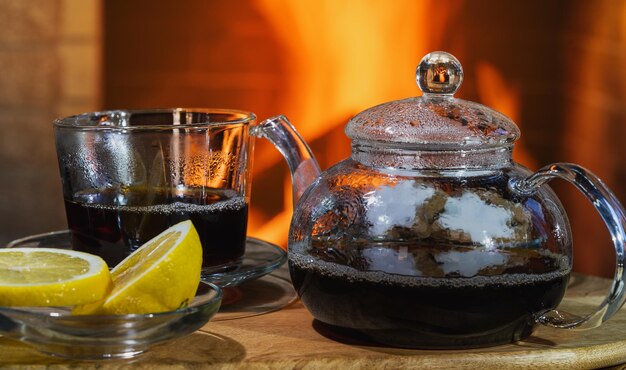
302 164
614 217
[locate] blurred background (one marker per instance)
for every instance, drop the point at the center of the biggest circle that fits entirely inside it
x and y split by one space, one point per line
554 67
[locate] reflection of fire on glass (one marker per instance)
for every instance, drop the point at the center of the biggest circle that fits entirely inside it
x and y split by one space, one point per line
441 75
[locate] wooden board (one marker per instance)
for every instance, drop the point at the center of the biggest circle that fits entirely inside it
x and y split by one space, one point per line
287 339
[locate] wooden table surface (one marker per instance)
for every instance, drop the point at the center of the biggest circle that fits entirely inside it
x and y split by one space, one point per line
289 339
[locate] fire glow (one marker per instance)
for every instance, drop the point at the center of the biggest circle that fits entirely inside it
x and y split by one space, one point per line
342 62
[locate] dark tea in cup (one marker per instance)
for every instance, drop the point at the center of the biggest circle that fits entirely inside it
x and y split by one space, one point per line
102 224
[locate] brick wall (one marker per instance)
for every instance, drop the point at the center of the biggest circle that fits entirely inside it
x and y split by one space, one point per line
49 67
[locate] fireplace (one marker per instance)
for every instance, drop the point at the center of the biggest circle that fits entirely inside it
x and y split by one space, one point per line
319 63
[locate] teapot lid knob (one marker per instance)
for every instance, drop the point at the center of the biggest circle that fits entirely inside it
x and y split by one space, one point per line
439 73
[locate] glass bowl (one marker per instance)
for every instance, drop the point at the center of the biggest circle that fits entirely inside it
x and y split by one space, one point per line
55 331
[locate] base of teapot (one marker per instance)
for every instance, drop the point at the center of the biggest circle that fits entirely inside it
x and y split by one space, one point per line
412 339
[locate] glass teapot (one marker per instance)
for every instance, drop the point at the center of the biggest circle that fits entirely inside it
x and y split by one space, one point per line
429 235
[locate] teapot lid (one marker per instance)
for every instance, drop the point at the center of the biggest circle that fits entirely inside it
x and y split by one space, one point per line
436 120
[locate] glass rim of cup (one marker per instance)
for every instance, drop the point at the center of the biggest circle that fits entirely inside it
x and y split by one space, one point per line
117 119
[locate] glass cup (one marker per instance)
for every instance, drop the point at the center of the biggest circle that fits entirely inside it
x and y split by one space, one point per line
128 175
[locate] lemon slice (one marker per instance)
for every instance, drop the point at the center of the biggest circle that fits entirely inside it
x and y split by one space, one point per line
51 277
162 275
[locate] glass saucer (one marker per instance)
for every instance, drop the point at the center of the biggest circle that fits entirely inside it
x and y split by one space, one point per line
260 259
266 294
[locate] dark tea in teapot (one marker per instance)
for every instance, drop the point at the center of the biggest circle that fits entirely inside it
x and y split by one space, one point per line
426 312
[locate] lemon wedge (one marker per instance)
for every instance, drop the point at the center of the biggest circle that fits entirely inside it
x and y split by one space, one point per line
51 277
161 275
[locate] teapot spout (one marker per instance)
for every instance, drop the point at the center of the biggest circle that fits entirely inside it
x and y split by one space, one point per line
303 166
